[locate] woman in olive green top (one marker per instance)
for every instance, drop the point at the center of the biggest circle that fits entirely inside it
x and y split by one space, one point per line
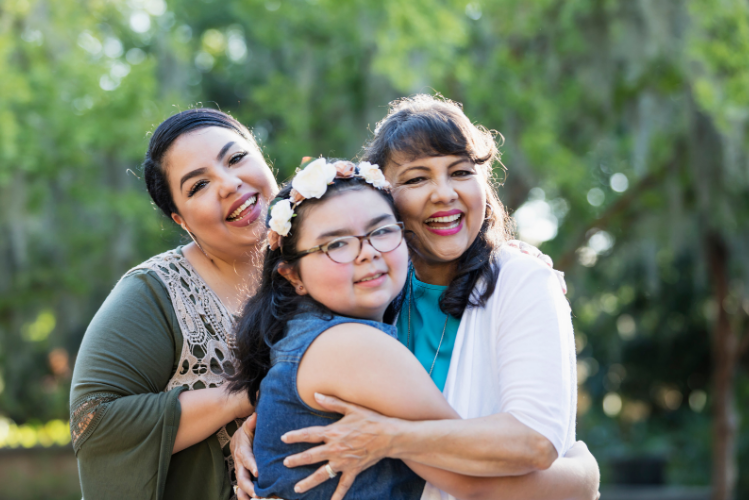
140 428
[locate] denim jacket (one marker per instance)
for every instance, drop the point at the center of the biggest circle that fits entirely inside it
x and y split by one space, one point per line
280 409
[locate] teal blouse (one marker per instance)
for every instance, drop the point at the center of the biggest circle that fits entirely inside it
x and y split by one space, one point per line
427 324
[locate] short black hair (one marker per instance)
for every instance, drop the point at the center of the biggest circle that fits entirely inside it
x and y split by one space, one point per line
163 138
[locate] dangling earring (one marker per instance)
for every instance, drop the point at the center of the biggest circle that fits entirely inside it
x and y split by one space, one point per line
491 211
192 236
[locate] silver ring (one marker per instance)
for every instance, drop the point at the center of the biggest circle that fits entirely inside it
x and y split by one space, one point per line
331 473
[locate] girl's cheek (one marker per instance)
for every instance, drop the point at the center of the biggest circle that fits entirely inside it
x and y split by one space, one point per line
330 276
398 261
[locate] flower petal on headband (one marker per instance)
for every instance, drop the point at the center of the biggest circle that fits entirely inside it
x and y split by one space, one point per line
312 182
373 175
274 240
345 169
280 217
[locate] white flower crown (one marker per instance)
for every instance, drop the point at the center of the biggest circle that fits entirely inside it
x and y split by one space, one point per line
312 182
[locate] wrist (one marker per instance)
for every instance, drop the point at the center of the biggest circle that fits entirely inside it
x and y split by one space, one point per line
238 404
397 432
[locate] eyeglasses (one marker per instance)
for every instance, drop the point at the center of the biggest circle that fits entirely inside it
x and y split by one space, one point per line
346 249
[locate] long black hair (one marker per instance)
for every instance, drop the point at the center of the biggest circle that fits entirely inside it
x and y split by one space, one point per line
164 136
427 126
276 302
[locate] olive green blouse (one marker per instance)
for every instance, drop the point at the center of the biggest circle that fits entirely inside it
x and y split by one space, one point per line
156 335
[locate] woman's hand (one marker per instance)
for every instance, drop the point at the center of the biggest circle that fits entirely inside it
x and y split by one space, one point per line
244 458
356 442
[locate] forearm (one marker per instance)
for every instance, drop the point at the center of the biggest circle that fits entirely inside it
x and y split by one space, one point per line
204 411
569 478
572 477
497 445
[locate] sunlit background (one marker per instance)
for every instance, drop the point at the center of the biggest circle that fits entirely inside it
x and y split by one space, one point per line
625 142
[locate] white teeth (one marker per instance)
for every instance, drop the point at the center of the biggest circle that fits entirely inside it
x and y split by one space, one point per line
372 277
449 218
239 210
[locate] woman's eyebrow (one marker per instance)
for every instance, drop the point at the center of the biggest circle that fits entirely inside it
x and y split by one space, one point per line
458 162
416 167
223 151
190 175
427 169
202 170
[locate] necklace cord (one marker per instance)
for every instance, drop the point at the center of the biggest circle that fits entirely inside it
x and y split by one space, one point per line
408 338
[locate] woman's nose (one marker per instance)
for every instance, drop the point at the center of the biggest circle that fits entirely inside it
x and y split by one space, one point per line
443 192
229 184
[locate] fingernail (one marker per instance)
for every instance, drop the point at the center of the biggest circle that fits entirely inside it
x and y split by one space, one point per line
297 489
319 397
286 462
283 438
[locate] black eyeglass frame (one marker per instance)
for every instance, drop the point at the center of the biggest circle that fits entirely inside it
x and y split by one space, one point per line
324 248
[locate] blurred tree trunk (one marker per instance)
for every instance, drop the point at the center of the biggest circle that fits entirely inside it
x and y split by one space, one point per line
712 185
725 357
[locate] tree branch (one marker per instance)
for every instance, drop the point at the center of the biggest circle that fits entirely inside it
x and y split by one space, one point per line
621 205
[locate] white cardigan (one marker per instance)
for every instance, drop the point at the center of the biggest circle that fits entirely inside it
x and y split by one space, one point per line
517 355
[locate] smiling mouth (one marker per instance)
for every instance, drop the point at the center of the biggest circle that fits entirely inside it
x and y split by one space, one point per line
238 213
447 222
370 278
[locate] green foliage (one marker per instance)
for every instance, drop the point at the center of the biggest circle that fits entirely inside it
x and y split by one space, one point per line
581 90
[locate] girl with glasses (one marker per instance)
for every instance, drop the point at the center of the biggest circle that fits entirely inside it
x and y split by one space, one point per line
321 320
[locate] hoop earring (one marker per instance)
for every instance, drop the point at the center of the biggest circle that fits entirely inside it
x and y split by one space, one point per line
491 211
192 237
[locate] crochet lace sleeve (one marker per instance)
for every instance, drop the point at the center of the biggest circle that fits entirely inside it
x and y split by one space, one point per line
86 413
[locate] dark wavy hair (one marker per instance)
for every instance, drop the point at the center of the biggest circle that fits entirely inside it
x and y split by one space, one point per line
276 302
427 126
162 139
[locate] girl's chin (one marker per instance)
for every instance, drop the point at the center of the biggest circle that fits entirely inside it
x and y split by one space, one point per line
373 314
365 309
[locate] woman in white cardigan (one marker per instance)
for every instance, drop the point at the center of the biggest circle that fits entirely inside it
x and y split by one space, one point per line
487 321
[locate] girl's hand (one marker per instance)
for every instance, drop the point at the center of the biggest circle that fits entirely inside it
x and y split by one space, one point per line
244 458
353 444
